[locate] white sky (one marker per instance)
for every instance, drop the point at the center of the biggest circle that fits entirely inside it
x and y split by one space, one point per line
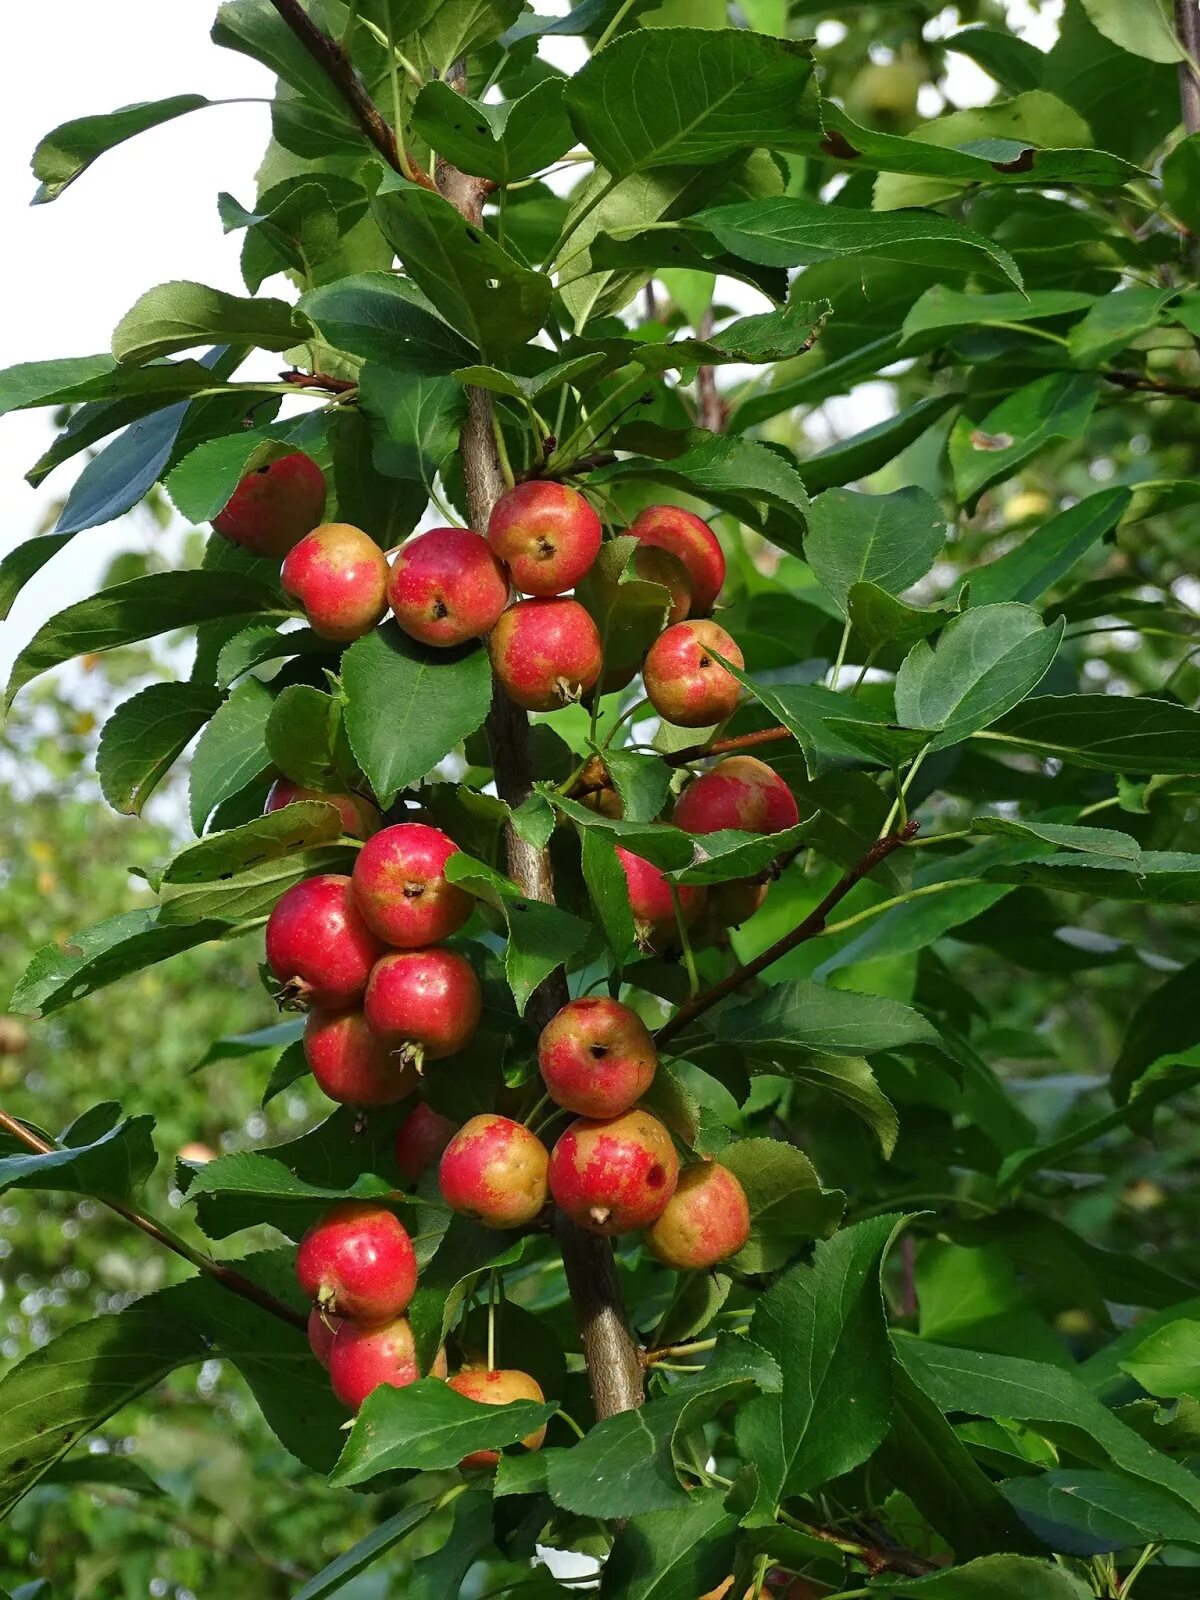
144 214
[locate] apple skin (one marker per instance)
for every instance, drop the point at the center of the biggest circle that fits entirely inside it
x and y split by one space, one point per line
358 1261
318 946
651 902
360 819
741 792
339 576
400 886
322 1325
363 1357
653 564
425 1004
685 682
706 1220
497 1387
546 534
692 542
349 1063
420 1140
546 653
494 1170
614 1175
596 1057
446 587
274 506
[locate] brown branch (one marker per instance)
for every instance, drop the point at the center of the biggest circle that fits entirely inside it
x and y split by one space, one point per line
725 747
1187 27
229 1279
614 1370
878 1558
812 925
319 380
713 415
339 69
1147 385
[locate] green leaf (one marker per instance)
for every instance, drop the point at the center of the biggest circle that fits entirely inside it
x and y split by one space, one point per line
1115 321
143 608
442 1570
429 1427
825 1326
144 738
458 27
179 315
251 1189
232 751
672 1555
868 451
31 383
890 540
540 937
363 1554
385 318
732 90
1157 877
390 507
787 231
727 855
1087 1513
1167 1361
25 561
233 1046
62 155
417 421
304 737
464 1250
1026 572
609 891
201 484
997 1577
502 142
643 783
1181 178
815 716
101 1154
1133 735
984 662
630 1463
1058 406
788 1206
880 619
942 308
408 706
801 1015
1162 1025
1142 27
474 283
59 974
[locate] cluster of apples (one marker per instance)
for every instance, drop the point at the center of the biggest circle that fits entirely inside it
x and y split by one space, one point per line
449 585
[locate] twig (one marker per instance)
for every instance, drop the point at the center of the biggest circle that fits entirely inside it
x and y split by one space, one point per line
614 1370
339 69
319 380
1187 28
230 1279
724 747
812 925
1138 381
713 415
877 1558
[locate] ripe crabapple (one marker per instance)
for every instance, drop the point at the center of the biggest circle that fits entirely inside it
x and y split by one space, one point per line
497 1386
685 682
318 945
401 889
349 1062
691 541
596 1057
546 653
655 565
361 1359
651 903
706 1220
360 818
420 1140
614 1175
494 1170
446 586
322 1325
339 575
274 506
546 534
740 792
357 1261
423 1004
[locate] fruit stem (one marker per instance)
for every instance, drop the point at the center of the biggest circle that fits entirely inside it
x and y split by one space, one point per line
491 1314
571 1423
724 747
226 1276
693 1347
536 1112
813 924
689 956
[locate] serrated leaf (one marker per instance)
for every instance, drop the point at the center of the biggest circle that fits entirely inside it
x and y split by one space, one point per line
1134 735
62 155
250 1189
232 750
672 1555
541 937
501 142
102 1154
1058 406
144 738
788 1206
180 315
59 974
889 540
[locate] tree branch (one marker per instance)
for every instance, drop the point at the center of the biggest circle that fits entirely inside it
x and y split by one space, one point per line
614 1370
812 925
339 69
1187 27
226 1276
725 747
319 380
1139 381
712 406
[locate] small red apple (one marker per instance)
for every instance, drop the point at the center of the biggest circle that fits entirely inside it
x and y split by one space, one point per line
692 542
655 565
318 946
357 1261
322 1325
274 506
497 1387
651 903
339 576
596 1057
546 653
614 1175
685 682
741 792
494 1170
706 1220
420 1140
446 586
546 534
363 1358
349 1062
359 817
423 1004
401 889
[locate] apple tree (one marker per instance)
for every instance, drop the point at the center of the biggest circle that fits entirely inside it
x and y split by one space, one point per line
684 842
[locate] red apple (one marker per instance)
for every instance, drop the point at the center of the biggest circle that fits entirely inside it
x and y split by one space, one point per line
614 1175
596 1057
692 542
339 575
401 889
446 586
546 653
685 682
274 506
546 534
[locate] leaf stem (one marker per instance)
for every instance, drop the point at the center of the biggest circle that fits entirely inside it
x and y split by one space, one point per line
621 13
689 957
585 212
898 900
